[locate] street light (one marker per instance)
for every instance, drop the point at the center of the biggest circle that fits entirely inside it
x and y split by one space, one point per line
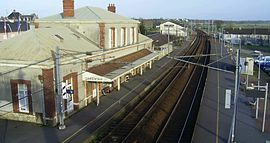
257 101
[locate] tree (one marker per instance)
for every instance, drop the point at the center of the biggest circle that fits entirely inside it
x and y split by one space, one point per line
142 29
219 23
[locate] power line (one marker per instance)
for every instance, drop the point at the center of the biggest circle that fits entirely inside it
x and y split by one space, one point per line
20 68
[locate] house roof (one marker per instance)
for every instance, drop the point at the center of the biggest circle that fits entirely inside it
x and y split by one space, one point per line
14 15
133 65
38 44
160 39
171 23
90 14
30 15
250 31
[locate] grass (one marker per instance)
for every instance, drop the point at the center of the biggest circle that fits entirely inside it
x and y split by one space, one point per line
260 48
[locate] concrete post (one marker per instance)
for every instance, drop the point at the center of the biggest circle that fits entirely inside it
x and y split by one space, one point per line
258 100
97 92
235 94
265 105
60 100
118 84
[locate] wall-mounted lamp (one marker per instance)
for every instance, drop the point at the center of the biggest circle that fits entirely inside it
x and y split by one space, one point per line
40 78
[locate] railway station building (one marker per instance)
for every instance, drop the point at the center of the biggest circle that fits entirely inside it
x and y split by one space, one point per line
172 29
99 50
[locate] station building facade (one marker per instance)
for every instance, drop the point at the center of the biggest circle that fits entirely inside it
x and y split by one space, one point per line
99 50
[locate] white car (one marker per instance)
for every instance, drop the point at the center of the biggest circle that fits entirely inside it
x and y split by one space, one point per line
256 53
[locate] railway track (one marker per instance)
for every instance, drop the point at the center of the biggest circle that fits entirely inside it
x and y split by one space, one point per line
148 129
144 122
177 128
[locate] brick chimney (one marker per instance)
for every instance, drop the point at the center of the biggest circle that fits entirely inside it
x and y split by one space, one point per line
112 8
102 35
68 8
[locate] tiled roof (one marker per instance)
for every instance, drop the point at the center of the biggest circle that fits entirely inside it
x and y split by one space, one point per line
115 64
14 15
90 14
160 39
38 44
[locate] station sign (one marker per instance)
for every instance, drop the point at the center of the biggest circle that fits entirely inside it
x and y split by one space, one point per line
87 76
228 99
66 92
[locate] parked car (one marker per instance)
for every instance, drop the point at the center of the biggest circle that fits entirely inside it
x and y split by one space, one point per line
257 59
266 68
106 90
256 53
262 60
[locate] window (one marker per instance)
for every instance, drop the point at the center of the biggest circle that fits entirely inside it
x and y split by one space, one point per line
126 36
112 37
134 34
23 98
115 39
123 36
59 38
131 35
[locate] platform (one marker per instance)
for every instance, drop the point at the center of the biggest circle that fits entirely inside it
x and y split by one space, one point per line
214 121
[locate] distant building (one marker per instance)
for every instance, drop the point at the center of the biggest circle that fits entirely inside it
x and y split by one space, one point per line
252 36
11 25
15 15
172 29
160 43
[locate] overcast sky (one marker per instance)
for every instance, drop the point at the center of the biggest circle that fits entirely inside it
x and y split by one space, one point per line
193 9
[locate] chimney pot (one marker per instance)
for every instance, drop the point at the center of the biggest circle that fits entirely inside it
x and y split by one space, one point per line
112 8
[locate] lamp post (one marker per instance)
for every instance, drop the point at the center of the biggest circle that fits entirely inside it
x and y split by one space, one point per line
257 102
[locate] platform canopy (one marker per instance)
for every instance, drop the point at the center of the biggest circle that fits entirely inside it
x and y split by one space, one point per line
87 76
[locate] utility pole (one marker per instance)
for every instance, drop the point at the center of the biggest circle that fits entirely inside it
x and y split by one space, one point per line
168 40
221 43
236 85
169 25
208 26
59 96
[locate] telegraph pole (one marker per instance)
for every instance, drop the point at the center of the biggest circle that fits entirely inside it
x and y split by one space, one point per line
168 40
236 85
59 96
